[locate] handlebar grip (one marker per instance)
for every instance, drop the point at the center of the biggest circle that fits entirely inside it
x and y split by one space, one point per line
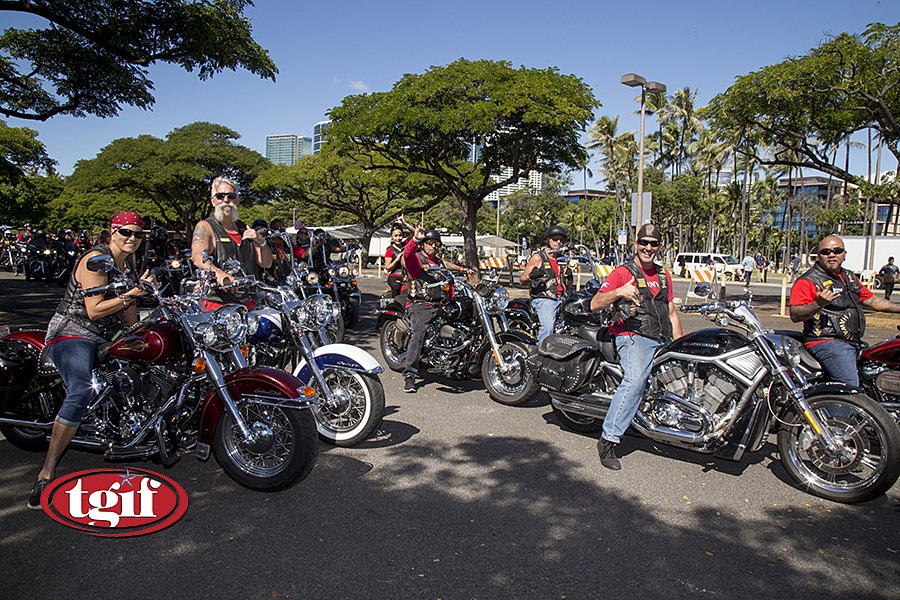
102 289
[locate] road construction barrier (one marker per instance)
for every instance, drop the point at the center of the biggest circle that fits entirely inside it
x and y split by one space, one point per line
492 262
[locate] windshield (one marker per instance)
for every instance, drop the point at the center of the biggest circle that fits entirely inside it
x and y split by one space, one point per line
730 260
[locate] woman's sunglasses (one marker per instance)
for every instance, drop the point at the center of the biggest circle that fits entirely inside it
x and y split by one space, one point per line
127 233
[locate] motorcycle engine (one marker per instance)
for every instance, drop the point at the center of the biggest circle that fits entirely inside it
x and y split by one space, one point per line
138 392
689 397
444 341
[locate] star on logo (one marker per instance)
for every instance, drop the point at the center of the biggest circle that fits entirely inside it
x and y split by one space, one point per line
127 477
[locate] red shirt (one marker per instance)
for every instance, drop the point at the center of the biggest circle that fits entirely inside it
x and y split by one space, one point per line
804 292
621 275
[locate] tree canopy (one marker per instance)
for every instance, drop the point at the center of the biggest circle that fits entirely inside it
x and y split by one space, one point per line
170 177
331 181
519 121
807 105
92 58
22 158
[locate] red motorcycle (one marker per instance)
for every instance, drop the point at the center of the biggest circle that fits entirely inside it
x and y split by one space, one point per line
879 374
161 390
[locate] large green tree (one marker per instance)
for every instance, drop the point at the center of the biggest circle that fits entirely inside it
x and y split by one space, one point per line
522 120
170 177
347 192
23 162
92 57
807 104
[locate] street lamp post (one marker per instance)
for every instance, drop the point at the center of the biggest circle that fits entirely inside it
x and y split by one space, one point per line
635 80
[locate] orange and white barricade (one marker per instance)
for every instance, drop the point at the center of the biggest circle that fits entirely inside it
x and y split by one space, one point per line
492 262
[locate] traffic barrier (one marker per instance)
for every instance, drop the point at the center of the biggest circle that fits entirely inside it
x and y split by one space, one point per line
491 263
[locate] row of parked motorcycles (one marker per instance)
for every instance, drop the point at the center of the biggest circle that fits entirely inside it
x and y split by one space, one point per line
51 261
721 390
257 389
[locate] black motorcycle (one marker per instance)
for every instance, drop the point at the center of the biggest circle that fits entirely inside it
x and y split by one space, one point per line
467 337
339 281
722 392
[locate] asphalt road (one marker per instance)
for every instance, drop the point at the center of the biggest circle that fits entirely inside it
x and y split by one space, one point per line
459 497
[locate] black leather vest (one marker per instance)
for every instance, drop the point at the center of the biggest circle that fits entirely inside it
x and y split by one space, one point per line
226 249
843 318
72 303
418 290
540 286
650 318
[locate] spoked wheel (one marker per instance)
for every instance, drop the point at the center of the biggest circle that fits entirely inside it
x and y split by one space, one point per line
512 387
355 410
866 461
281 451
393 344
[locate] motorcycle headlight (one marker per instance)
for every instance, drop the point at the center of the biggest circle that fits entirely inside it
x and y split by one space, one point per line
344 271
207 335
231 323
313 313
175 264
331 272
786 348
252 323
312 278
355 272
499 299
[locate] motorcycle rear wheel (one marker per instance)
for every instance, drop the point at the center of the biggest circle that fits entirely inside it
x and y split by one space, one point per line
512 389
284 454
357 412
26 438
868 462
578 423
393 354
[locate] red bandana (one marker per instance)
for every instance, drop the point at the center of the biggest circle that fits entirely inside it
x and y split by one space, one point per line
126 218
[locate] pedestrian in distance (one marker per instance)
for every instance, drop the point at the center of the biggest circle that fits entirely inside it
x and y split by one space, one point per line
890 274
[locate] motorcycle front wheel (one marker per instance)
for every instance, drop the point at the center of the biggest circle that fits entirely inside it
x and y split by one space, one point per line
393 345
515 387
355 411
282 451
867 461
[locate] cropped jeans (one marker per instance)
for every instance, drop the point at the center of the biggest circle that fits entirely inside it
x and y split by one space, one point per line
74 359
636 357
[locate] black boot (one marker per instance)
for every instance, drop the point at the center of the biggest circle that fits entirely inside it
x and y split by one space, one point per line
607 451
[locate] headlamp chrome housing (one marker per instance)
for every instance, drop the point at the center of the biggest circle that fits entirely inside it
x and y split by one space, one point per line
786 348
230 323
315 312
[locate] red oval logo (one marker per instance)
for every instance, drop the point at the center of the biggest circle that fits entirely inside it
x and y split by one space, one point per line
115 502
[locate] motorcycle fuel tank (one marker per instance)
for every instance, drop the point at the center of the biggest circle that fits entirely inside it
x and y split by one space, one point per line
709 342
151 343
887 352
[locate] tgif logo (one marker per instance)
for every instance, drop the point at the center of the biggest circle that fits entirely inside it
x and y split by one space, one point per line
115 502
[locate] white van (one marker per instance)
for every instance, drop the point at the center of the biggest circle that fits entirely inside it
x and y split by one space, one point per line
722 263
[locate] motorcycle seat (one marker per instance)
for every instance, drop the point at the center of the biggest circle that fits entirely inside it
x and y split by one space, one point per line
602 340
45 364
103 351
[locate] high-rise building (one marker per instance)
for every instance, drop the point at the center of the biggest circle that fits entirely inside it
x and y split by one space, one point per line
534 181
287 149
319 130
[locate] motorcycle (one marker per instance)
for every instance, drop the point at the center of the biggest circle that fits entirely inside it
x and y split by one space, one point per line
173 383
290 330
468 336
721 391
38 261
878 366
339 280
61 263
13 257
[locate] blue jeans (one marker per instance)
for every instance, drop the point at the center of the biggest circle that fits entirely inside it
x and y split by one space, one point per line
636 357
74 359
838 358
546 310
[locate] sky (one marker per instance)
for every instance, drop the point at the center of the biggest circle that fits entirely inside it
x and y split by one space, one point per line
326 51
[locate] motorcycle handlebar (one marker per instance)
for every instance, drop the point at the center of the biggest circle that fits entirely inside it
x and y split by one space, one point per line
116 286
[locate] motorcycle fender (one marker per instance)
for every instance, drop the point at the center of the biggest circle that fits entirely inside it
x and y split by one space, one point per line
251 380
392 311
829 387
339 355
32 337
515 335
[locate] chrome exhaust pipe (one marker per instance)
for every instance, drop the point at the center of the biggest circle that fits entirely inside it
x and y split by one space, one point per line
31 424
586 405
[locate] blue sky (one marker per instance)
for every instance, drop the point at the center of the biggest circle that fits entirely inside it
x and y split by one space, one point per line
325 51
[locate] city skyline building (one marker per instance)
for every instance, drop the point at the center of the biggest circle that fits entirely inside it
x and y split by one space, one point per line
287 149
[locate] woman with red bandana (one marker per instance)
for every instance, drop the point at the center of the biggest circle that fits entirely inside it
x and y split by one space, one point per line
79 325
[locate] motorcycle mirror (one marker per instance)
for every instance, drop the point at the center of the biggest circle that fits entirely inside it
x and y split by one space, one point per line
101 264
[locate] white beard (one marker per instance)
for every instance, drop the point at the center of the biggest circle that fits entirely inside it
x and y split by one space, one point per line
219 213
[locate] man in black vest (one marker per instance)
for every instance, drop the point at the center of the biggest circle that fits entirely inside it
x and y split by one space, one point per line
224 237
420 255
547 279
643 294
828 300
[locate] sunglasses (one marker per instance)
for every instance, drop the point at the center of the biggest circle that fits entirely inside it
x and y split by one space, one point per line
223 195
432 243
830 251
651 243
127 233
